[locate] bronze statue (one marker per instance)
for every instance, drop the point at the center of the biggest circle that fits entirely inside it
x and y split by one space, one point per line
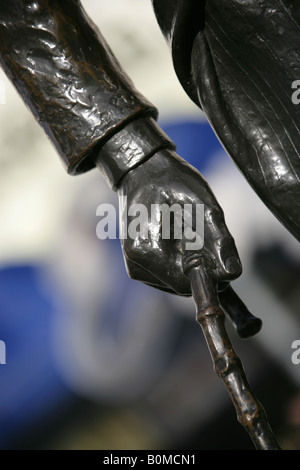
236 60
89 108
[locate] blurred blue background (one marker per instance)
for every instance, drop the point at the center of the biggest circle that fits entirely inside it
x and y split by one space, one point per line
95 360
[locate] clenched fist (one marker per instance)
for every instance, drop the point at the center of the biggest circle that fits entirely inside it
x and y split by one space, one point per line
167 181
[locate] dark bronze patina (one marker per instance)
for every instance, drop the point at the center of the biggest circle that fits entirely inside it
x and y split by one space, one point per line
227 364
237 61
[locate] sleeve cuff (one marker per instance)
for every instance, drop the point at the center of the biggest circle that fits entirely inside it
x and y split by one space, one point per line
130 147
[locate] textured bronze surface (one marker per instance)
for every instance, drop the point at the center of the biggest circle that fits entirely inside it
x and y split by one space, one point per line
67 75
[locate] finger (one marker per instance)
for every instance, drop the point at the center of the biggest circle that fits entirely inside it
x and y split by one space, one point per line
218 245
138 273
220 258
228 264
160 268
219 242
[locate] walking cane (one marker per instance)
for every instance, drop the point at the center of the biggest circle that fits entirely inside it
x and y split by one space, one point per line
227 364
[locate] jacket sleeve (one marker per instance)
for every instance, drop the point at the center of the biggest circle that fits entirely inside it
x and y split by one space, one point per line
65 72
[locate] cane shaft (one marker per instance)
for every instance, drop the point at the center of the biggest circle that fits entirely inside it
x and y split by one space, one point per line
227 364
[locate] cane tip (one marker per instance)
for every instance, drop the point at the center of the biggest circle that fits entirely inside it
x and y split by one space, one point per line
250 327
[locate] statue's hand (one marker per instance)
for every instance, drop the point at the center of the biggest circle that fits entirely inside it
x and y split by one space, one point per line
158 261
